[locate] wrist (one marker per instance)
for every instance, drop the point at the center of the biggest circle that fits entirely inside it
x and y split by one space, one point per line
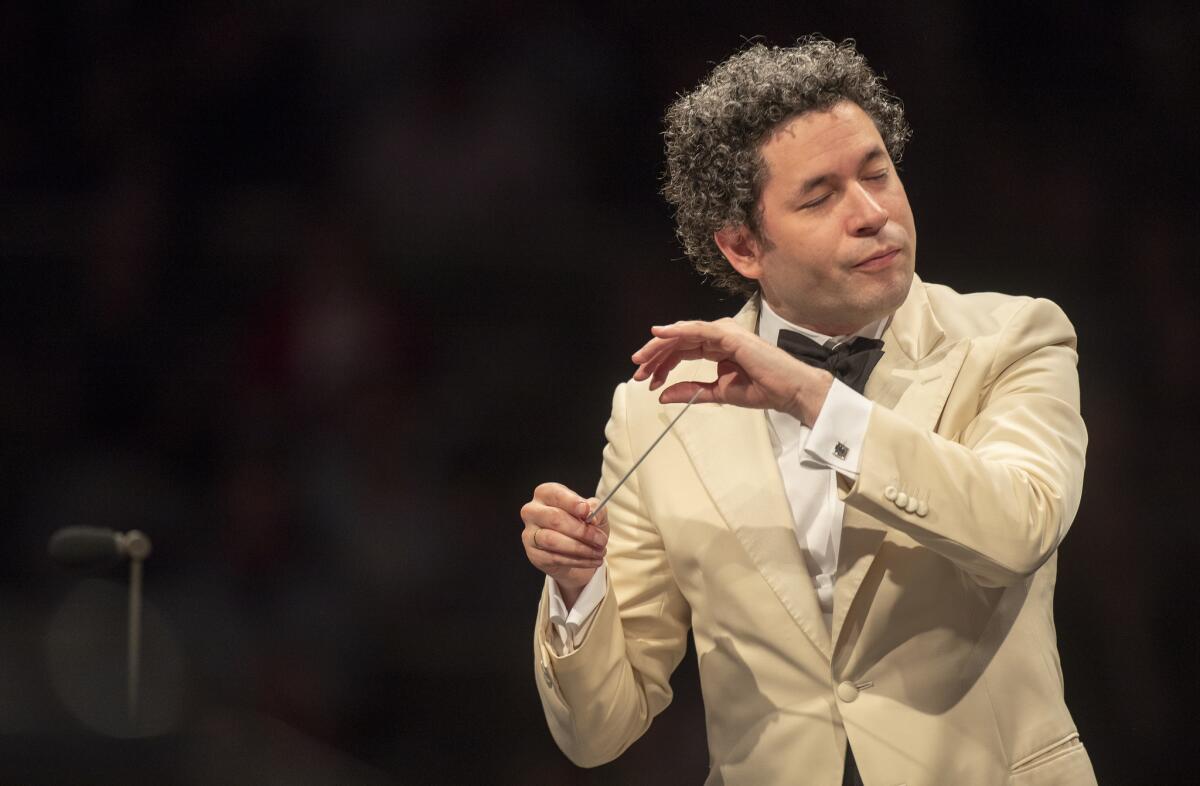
570 592
570 595
810 396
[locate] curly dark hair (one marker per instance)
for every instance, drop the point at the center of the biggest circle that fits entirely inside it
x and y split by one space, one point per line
715 171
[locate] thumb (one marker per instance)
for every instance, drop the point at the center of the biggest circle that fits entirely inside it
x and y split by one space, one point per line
601 518
682 392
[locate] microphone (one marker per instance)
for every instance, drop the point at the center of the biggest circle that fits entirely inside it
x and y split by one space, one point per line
81 547
87 546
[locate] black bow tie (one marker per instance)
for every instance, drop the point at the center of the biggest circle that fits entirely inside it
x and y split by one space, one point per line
850 362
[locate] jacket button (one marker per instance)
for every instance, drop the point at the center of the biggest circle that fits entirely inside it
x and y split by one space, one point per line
912 505
901 499
846 691
889 493
922 509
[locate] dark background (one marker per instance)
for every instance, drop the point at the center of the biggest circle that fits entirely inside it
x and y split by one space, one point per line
314 295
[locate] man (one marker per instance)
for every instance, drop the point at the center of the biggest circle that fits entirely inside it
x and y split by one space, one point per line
862 542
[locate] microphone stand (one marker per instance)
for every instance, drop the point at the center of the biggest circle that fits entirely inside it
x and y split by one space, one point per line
137 546
84 546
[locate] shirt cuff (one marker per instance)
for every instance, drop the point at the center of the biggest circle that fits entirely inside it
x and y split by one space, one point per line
572 625
837 436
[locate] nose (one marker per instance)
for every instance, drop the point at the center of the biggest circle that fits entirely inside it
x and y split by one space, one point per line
866 215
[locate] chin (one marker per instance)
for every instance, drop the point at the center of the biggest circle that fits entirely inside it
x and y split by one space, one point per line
901 278
890 296
902 284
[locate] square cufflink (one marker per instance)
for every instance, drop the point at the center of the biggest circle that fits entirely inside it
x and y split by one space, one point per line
841 451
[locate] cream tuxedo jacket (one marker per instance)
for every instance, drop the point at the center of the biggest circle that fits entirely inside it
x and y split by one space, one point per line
942 667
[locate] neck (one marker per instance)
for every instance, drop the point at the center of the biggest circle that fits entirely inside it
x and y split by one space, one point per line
829 328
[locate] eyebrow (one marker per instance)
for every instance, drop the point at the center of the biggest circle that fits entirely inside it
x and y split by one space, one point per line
820 180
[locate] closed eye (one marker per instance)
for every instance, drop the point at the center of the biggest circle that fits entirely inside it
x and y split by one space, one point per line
815 202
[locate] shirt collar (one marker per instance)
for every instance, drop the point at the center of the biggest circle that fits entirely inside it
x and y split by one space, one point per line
770 323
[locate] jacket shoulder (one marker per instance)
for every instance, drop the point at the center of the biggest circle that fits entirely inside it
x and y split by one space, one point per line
981 314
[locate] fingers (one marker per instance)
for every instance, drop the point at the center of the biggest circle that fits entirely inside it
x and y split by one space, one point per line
546 517
601 518
665 356
696 330
678 342
652 355
554 525
559 496
556 540
681 334
548 548
653 348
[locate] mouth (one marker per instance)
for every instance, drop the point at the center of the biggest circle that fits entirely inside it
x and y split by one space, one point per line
878 261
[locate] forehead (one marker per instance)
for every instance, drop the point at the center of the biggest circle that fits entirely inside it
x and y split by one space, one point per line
820 142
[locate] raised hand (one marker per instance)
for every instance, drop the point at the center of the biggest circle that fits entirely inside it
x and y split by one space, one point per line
750 372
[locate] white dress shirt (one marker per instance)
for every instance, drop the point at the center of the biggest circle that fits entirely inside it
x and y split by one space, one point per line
809 463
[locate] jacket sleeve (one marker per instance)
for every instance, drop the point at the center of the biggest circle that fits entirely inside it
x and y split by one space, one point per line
998 497
600 698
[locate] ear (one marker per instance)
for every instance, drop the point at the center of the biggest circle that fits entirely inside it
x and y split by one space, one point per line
742 249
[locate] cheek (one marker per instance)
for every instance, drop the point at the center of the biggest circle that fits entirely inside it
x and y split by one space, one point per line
798 262
810 251
900 211
805 253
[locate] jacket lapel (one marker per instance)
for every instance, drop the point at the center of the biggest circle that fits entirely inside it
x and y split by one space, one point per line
730 448
913 378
